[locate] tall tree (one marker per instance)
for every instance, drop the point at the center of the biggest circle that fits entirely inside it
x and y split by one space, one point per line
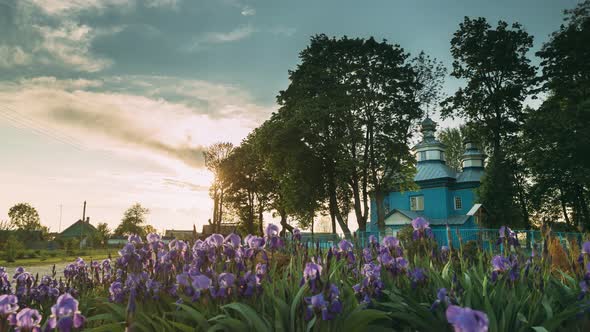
133 221
25 217
556 135
499 77
214 155
353 102
248 185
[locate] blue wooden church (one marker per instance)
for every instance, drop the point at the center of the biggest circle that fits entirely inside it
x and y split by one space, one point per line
446 197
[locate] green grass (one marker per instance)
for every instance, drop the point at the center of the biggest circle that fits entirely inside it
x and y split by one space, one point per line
60 257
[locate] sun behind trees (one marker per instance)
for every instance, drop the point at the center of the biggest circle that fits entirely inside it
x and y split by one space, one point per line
341 134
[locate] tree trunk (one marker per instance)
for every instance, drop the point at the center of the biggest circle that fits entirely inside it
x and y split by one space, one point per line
261 218
285 226
333 217
215 210
583 208
360 218
220 209
564 208
379 199
334 209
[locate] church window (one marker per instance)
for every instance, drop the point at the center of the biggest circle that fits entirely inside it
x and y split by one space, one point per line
458 203
417 203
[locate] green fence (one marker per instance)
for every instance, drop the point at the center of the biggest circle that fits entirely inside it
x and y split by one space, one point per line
485 238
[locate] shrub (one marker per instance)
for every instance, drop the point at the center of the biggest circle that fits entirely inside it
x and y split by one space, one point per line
14 249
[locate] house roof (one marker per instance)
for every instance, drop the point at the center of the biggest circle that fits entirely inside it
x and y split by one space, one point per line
78 229
451 220
433 170
474 209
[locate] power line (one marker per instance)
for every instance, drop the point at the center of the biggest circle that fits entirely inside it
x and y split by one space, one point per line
20 124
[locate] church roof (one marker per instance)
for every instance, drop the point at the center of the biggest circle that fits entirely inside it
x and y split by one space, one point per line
470 175
433 170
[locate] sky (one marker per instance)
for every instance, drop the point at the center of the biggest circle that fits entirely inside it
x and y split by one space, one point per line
113 101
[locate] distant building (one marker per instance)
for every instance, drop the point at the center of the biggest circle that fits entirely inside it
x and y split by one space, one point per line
180 234
79 230
224 229
445 197
117 241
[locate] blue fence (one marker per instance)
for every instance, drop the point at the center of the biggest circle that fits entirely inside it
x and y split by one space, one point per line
485 238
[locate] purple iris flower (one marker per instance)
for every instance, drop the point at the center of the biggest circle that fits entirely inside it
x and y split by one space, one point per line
420 224
275 243
421 229
225 282
234 240
26 320
256 242
345 246
367 255
373 242
272 230
215 240
417 276
201 282
4 281
8 305
467 319
65 314
500 263
371 285
135 239
116 291
261 272
311 274
391 242
507 235
441 297
586 248
297 234
329 306
153 238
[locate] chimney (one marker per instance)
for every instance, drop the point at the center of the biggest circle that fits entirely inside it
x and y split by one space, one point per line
84 212
88 220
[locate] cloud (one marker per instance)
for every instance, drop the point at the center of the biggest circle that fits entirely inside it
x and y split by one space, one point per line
69 7
75 7
236 34
100 115
163 3
205 40
248 11
11 56
70 43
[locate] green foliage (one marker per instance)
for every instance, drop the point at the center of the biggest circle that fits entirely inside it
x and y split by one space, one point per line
133 221
556 137
497 192
24 217
12 249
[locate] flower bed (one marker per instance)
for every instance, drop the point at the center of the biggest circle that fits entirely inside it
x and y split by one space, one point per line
269 284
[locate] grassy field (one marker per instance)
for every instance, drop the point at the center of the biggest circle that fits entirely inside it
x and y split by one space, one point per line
59 256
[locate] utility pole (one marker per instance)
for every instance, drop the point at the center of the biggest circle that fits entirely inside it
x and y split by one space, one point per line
83 221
